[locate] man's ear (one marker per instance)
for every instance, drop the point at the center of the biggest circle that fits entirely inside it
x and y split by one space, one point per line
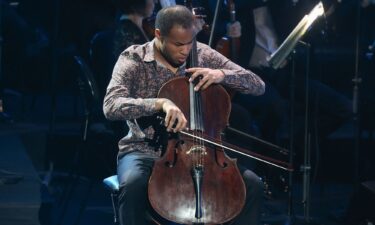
157 34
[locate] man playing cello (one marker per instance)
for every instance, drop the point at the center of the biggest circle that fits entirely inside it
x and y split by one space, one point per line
139 73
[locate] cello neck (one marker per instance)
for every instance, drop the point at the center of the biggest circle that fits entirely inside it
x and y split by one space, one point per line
196 114
232 11
196 118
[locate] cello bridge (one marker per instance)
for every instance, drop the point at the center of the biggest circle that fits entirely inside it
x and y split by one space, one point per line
197 149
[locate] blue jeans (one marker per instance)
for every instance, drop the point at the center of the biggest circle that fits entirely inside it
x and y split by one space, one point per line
134 170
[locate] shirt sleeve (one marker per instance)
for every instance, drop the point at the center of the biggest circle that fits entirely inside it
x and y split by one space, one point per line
236 77
120 103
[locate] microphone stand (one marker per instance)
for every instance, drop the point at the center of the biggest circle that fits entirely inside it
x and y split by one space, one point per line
291 137
1 60
214 21
276 59
306 167
53 79
356 116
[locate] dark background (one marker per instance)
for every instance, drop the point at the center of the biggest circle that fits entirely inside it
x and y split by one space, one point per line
45 114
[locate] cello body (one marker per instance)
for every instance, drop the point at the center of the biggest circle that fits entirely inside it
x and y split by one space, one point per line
193 183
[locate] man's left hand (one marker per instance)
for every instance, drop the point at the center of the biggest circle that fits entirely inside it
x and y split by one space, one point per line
208 77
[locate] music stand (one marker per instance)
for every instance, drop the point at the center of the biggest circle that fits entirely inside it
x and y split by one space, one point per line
277 58
275 61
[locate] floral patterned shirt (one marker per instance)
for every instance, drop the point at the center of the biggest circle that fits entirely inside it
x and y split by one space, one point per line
137 78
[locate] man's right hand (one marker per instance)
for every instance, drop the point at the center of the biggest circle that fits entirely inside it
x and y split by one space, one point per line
234 30
174 116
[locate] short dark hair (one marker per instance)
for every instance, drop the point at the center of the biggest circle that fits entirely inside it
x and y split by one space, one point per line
131 6
175 15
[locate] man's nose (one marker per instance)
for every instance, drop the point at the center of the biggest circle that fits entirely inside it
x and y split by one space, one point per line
185 49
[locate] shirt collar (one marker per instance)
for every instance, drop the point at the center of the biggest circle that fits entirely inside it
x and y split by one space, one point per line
150 52
150 55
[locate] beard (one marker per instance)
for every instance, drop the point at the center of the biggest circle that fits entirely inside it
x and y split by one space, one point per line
169 59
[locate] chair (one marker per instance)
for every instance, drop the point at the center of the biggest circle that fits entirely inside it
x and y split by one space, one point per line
102 59
89 93
94 128
111 183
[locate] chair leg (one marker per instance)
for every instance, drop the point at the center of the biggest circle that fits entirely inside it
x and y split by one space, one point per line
115 208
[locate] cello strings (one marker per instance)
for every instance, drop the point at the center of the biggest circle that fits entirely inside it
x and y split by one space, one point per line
199 112
202 143
196 120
